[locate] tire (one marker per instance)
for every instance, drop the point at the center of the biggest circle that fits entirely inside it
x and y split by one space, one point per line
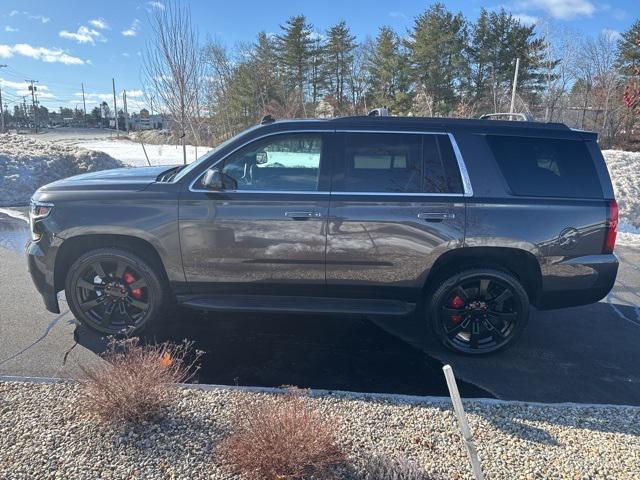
479 311
115 292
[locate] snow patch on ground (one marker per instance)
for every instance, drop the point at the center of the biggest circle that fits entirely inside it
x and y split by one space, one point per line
624 169
132 153
26 164
628 235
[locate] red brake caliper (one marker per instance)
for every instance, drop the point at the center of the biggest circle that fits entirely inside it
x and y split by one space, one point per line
129 279
456 302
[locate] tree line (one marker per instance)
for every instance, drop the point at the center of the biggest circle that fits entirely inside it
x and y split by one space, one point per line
444 65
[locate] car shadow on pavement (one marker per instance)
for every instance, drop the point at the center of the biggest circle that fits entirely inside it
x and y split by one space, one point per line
319 352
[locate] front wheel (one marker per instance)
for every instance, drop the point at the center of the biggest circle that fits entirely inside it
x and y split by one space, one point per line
479 311
114 291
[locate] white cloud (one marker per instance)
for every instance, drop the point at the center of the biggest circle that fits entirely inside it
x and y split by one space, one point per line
564 9
22 88
83 35
13 13
156 4
9 28
525 19
47 55
125 54
132 31
99 23
42 18
611 34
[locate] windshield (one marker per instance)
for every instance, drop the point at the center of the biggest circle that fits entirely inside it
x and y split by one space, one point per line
185 171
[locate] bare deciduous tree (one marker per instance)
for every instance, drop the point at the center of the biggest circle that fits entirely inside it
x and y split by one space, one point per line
172 67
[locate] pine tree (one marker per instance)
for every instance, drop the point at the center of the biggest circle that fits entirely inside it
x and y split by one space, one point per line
498 40
629 50
339 56
318 68
437 43
294 47
389 73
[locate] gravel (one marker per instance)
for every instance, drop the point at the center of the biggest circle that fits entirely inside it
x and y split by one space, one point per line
45 433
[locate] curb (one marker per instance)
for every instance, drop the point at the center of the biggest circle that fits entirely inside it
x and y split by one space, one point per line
411 399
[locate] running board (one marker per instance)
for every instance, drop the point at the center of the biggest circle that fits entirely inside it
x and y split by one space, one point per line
280 304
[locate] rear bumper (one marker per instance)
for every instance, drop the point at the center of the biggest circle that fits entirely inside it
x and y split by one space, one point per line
41 261
577 281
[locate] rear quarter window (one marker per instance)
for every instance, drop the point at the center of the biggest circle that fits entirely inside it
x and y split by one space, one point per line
546 167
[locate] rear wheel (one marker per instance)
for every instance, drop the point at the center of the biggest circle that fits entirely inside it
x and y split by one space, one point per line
114 291
479 311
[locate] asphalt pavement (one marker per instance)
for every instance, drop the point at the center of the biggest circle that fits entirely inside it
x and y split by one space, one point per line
587 354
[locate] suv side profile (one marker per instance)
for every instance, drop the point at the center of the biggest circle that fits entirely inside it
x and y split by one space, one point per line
475 220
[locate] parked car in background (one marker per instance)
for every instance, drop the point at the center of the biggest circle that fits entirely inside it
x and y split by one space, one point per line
474 220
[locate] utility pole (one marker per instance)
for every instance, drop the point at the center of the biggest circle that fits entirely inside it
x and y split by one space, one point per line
24 107
515 83
126 112
1 108
32 89
115 106
84 105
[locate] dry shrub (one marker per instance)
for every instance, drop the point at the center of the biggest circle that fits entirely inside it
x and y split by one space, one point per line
282 439
136 382
383 467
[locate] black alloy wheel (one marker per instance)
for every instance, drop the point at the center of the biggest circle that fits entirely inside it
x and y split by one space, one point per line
479 311
114 291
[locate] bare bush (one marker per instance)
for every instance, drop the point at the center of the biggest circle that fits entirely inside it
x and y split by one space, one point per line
136 382
282 439
382 467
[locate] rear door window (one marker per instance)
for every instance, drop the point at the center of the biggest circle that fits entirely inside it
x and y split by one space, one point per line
396 163
546 167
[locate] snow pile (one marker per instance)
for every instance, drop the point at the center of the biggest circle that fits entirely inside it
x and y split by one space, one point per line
131 153
26 164
624 169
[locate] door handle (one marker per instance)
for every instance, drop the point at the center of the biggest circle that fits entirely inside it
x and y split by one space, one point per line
436 216
302 215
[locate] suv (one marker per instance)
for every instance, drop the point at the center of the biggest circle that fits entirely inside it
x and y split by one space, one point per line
474 220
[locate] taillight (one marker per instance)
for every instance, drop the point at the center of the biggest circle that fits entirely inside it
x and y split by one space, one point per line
612 227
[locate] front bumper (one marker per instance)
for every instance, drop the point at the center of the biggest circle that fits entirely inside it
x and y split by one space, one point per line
41 260
577 281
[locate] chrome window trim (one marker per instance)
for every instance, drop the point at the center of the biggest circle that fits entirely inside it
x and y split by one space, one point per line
462 168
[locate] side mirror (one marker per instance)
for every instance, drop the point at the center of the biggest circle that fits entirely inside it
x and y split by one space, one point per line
214 179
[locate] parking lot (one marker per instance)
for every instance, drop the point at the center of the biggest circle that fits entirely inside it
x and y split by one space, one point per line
588 354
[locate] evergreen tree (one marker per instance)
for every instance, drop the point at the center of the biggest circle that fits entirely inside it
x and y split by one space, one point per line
389 73
629 51
294 47
318 68
498 40
437 43
339 57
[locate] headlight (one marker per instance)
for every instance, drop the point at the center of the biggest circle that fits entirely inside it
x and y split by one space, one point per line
38 211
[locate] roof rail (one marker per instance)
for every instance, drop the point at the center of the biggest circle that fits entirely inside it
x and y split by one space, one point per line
522 117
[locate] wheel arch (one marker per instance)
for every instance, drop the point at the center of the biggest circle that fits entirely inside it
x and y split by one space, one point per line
72 248
521 263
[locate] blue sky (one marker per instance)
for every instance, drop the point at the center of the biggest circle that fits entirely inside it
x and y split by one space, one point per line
62 43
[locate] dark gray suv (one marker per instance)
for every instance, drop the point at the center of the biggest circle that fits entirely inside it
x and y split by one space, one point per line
474 220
